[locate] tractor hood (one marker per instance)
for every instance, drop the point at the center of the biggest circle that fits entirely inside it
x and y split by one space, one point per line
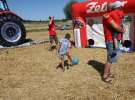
11 13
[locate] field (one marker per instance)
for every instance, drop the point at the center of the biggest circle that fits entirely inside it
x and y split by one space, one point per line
29 73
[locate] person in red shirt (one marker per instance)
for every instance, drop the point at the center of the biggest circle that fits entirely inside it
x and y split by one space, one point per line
110 26
117 14
52 33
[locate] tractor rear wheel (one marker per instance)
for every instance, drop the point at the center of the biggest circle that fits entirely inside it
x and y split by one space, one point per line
12 31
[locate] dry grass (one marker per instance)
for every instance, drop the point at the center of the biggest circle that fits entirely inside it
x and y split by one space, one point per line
30 73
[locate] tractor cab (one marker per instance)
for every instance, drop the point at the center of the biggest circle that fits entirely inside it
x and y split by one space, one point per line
3 5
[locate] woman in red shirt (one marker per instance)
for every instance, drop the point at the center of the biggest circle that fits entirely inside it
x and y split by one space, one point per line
52 33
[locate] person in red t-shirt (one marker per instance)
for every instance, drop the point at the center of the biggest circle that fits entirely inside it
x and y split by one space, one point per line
52 33
117 14
110 26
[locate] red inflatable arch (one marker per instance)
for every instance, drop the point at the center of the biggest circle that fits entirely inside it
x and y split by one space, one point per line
94 8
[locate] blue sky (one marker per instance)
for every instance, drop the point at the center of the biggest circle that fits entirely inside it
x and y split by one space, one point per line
38 9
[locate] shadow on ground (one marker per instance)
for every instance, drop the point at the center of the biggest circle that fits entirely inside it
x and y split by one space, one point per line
98 66
66 64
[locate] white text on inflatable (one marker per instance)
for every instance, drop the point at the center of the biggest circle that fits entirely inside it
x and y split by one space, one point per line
94 7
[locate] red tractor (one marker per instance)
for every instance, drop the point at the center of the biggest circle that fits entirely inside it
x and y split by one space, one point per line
12 30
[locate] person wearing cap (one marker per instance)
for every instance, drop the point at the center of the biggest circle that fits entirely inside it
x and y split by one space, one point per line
110 26
117 14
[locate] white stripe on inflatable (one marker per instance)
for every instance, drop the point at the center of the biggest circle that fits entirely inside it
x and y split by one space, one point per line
77 38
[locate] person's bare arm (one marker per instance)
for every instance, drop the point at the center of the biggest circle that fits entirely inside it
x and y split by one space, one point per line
113 24
58 47
116 27
51 20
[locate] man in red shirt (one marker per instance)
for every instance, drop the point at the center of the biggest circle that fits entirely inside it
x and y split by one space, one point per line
110 26
52 32
117 14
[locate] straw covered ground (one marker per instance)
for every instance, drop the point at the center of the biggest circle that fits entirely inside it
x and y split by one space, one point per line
29 73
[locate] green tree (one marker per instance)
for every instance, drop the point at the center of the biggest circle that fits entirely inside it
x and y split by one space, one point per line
67 9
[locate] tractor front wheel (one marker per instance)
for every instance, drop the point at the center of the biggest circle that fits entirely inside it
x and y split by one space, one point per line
12 31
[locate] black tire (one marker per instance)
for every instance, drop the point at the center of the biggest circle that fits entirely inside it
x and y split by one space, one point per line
91 42
12 30
127 43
